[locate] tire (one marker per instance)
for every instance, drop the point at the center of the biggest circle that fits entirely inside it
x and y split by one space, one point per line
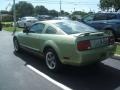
0 27
52 61
25 25
16 45
109 32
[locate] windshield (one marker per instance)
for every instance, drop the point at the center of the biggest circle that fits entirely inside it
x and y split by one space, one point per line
74 27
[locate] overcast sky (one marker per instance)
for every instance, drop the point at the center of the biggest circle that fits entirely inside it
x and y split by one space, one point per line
67 5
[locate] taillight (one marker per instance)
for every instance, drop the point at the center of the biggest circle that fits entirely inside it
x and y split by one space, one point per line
84 45
111 40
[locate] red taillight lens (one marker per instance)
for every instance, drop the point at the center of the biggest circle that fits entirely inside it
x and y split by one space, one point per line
83 45
111 40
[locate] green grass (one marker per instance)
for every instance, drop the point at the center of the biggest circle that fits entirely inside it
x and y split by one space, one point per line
11 29
7 22
118 50
8 27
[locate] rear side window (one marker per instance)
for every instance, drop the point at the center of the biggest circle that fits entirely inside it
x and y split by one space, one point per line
50 30
100 17
37 28
111 16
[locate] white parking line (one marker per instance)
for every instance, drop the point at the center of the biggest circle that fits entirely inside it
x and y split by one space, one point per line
48 78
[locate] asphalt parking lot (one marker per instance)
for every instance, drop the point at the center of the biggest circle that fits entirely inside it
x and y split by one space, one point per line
16 72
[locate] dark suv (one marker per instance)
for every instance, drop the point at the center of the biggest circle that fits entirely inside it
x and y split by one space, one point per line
109 22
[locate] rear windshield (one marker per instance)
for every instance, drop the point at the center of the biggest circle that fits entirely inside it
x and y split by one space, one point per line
74 27
32 18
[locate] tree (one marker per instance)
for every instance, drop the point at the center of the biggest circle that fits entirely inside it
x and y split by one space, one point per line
106 4
109 4
63 13
116 4
4 12
81 13
53 13
23 9
41 10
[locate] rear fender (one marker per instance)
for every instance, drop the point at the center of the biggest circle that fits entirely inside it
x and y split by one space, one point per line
53 45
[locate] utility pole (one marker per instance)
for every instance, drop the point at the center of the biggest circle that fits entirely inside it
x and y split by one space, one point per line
60 7
74 9
0 16
14 16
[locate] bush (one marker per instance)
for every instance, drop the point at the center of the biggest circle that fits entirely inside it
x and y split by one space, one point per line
7 18
7 24
74 18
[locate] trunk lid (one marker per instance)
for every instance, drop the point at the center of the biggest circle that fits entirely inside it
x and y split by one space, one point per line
96 39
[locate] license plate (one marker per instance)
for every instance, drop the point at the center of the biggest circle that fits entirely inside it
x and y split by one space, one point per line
99 42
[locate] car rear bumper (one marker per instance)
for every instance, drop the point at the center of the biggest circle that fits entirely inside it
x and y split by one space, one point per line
91 56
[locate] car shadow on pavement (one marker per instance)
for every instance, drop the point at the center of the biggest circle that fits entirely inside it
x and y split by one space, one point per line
100 77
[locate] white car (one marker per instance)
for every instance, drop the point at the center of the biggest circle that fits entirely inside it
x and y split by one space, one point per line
26 21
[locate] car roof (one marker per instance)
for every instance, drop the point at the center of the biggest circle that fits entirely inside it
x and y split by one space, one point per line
107 13
52 21
28 17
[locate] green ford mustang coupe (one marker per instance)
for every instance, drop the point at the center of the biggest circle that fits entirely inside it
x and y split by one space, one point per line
65 42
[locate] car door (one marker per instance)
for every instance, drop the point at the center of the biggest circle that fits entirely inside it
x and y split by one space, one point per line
34 35
100 21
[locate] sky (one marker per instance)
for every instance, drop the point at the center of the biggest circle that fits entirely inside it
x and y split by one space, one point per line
66 5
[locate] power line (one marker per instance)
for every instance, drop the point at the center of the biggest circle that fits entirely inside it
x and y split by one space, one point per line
9 4
63 2
57 1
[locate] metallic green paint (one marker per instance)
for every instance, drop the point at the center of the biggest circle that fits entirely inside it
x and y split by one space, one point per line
66 46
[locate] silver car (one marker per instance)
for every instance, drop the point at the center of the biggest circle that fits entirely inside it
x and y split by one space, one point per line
26 21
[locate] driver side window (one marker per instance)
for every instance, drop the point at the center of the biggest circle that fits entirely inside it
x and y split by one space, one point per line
37 28
22 19
50 30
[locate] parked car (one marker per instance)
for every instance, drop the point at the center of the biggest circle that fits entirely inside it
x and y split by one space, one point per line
26 21
61 18
65 42
44 17
109 22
